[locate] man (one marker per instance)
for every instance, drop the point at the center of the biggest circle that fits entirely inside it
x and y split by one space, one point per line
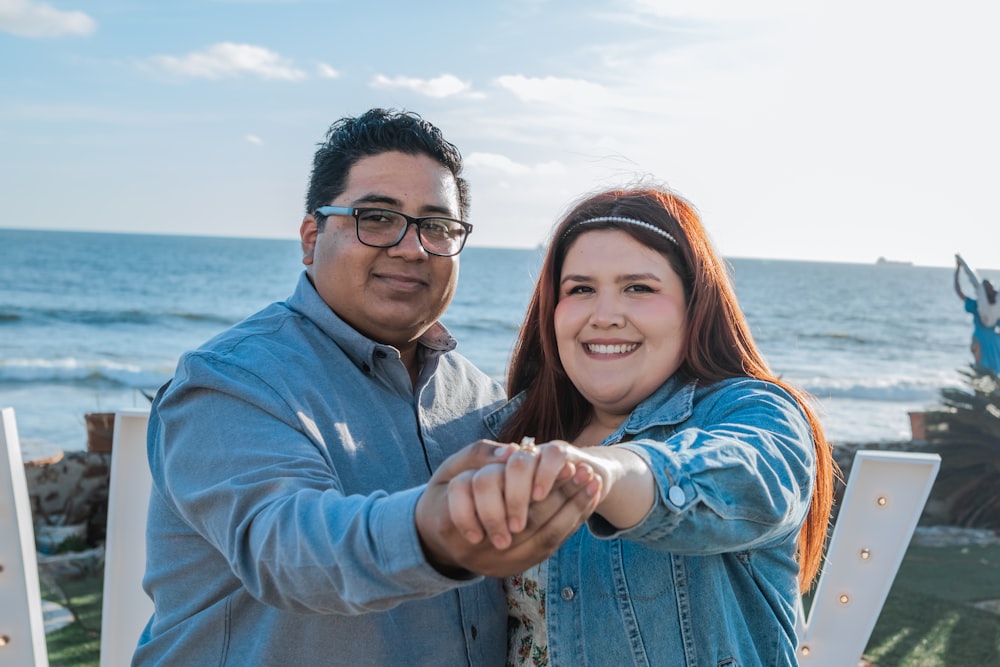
300 460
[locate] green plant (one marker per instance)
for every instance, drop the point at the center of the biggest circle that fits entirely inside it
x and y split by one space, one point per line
72 543
965 431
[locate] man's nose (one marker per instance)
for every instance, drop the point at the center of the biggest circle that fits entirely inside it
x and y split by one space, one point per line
410 245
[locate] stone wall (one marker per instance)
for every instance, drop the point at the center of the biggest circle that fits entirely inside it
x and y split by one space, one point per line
70 488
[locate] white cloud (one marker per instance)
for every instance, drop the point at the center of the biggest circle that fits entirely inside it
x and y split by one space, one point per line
227 59
506 165
36 19
554 90
726 10
445 85
326 71
254 139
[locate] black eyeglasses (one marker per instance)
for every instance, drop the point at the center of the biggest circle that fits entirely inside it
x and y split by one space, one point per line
384 228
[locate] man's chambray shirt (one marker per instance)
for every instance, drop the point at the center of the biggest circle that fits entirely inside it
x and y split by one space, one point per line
287 457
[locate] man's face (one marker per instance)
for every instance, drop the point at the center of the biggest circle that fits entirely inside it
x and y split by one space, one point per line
391 295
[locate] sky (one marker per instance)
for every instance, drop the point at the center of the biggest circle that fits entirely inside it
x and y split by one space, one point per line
829 131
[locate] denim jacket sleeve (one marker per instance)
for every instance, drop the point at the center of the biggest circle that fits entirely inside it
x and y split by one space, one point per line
735 472
270 503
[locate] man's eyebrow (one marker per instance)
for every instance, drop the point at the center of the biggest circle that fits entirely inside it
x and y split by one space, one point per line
375 198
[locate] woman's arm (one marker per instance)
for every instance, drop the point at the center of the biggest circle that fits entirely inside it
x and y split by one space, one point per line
737 474
631 489
495 500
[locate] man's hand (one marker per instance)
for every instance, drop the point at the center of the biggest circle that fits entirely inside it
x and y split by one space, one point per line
550 520
496 499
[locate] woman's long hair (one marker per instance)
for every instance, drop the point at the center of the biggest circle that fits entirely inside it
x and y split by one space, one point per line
718 344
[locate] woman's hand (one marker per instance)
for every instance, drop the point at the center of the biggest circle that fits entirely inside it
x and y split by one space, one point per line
495 500
549 522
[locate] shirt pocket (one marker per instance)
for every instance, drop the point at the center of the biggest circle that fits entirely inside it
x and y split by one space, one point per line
637 574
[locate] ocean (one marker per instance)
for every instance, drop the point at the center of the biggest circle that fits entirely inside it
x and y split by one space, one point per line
93 322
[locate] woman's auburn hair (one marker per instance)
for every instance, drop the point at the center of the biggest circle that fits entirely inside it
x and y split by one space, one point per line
718 343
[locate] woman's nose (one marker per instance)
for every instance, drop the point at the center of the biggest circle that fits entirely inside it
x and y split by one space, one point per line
607 313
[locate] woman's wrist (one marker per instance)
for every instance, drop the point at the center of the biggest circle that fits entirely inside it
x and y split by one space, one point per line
630 487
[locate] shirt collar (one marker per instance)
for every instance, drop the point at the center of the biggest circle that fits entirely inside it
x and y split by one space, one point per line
362 351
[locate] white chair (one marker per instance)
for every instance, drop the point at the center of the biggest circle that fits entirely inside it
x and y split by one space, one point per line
22 629
126 607
885 495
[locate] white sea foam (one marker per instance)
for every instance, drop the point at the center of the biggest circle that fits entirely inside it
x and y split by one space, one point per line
74 371
905 390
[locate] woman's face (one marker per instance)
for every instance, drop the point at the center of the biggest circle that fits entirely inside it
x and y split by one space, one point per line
620 320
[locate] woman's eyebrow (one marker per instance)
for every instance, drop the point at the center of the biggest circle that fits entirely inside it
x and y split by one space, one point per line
626 277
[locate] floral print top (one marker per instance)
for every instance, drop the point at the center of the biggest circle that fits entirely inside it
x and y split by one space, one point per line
527 639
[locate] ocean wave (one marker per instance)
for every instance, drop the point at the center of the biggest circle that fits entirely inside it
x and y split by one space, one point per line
75 372
481 324
902 390
838 336
98 317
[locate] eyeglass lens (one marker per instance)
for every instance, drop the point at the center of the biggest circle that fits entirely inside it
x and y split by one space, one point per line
383 228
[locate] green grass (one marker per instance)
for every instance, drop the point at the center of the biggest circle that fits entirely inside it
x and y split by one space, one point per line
927 621
78 644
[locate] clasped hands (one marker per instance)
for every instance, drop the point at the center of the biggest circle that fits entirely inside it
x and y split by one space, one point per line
496 509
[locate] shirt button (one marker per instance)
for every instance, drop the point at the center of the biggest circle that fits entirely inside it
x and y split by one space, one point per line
676 495
475 631
567 594
380 354
366 368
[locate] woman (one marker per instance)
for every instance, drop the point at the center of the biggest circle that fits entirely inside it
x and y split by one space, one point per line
715 479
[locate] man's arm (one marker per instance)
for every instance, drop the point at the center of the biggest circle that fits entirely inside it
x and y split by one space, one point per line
255 490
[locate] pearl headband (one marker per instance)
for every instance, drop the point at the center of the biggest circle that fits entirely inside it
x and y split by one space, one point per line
630 221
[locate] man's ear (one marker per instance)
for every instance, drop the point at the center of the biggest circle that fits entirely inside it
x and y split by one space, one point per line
308 233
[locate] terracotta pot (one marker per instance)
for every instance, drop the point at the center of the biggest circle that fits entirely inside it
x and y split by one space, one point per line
100 429
918 426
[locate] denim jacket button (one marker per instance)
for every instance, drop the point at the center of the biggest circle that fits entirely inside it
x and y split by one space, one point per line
567 594
676 495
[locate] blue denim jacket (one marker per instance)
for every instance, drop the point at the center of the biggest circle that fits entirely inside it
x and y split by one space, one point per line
709 577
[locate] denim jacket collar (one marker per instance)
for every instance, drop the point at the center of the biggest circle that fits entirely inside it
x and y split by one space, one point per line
672 403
